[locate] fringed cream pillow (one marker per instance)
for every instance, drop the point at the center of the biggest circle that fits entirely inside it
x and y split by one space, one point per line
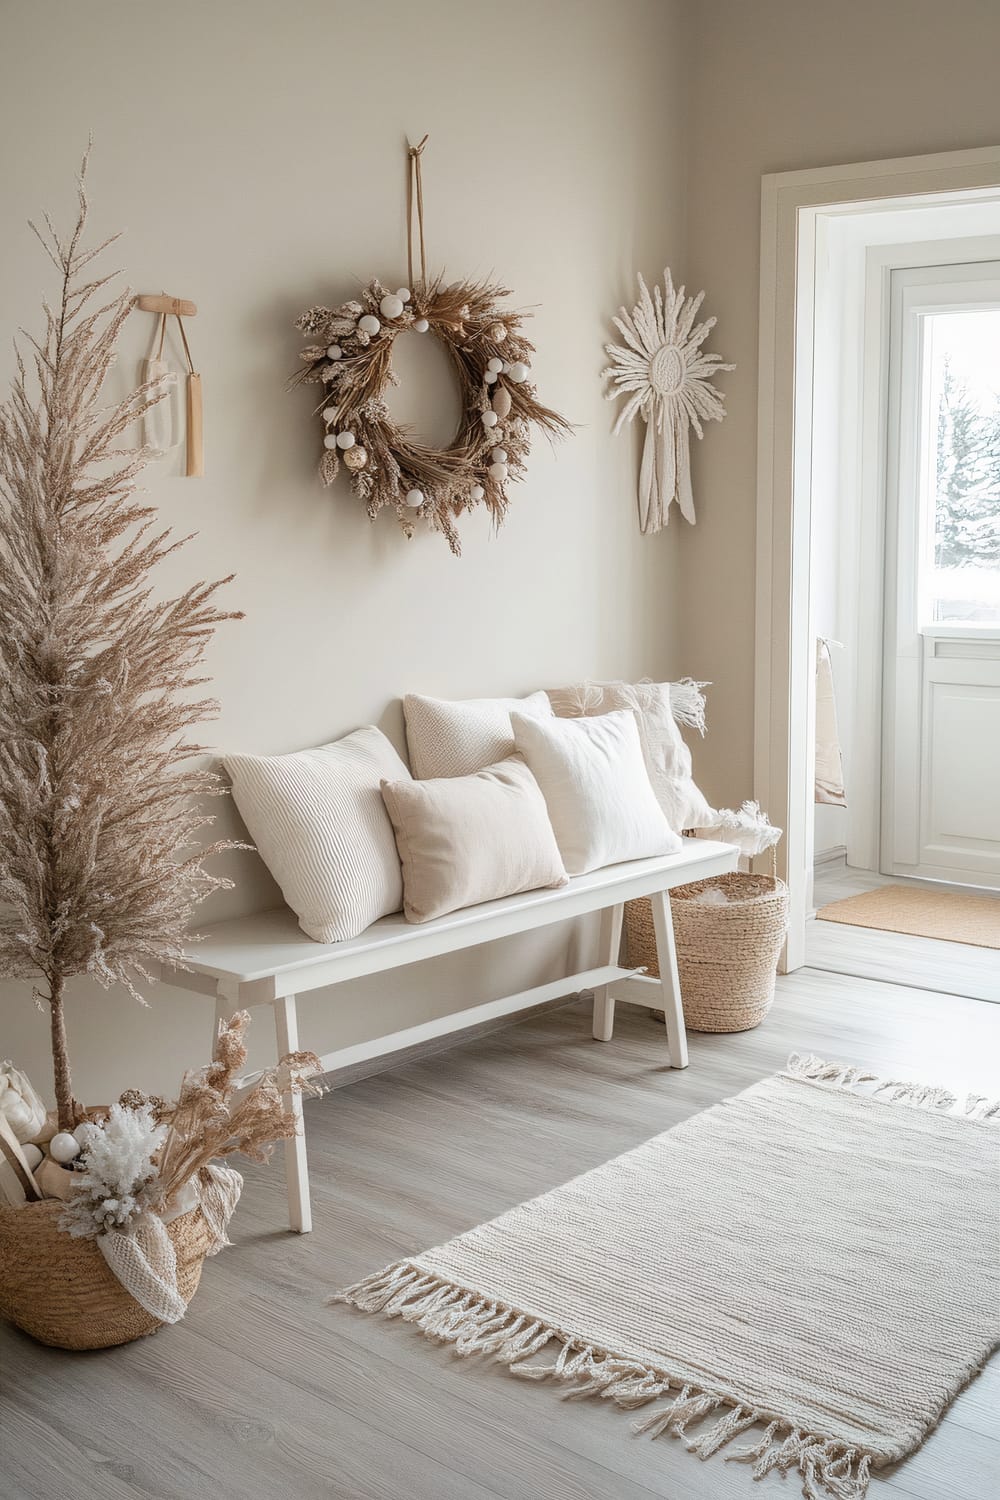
467 839
456 738
657 707
596 788
320 825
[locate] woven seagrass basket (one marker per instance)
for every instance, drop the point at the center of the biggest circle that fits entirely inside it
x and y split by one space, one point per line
62 1291
727 952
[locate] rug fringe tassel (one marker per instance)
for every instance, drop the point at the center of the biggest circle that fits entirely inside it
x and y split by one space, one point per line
889 1090
978 1107
826 1470
480 1325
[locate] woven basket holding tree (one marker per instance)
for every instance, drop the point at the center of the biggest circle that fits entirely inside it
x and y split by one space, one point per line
106 1214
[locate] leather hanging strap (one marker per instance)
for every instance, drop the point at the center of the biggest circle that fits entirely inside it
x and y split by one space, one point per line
187 351
415 196
195 439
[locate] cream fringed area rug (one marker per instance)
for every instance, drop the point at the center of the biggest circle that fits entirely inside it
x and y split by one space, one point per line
817 1254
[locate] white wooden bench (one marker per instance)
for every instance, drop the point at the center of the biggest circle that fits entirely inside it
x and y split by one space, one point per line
266 960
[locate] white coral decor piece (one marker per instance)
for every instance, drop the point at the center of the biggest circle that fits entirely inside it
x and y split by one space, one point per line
667 376
118 1182
116 1201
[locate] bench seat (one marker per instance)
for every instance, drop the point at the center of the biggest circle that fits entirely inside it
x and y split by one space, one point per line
267 959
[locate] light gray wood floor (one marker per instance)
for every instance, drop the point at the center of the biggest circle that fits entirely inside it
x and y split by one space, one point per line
264 1392
926 963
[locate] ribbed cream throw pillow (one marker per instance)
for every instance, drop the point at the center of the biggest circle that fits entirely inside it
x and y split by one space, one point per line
320 825
456 738
467 839
594 780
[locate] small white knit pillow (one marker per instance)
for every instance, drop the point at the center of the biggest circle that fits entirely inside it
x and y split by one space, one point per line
459 738
596 787
320 825
668 759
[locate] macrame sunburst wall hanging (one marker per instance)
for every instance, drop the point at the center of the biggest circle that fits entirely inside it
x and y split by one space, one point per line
351 357
667 378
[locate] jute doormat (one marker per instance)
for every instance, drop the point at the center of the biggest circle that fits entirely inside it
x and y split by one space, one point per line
814 1255
951 915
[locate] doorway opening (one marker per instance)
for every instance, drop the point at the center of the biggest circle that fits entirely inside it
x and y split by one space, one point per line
940 782
879 530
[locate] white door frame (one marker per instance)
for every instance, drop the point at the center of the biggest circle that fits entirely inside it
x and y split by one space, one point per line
784 677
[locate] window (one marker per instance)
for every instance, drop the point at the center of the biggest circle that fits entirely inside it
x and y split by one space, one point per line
960 467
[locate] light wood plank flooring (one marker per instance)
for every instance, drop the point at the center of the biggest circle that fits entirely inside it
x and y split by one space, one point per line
265 1392
899 957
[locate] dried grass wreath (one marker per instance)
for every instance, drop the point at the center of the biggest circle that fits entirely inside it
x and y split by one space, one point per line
388 465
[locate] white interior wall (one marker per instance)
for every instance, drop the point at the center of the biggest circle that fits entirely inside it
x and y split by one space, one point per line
828 484
254 154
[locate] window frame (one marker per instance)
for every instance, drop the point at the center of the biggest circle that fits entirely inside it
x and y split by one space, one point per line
917 293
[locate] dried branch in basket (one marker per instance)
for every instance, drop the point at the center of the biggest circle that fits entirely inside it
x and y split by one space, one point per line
99 860
352 359
216 1115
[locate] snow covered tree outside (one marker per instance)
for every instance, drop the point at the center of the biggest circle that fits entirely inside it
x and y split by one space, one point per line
962 580
967 514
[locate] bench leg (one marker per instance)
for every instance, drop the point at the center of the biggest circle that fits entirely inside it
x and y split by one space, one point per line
286 1030
610 946
226 1003
666 957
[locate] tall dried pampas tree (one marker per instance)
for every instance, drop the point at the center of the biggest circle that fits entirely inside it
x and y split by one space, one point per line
99 819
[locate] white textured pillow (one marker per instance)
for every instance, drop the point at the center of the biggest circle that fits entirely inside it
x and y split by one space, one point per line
456 739
467 839
320 825
600 801
667 757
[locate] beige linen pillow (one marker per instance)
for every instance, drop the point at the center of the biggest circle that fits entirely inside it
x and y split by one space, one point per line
456 738
467 839
596 788
667 757
320 826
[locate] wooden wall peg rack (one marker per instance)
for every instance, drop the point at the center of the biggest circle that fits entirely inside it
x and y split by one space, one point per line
180 308
174 307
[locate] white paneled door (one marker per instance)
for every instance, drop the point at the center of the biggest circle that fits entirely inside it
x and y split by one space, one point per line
941 731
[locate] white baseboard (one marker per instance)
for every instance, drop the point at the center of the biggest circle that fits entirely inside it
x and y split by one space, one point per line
835 856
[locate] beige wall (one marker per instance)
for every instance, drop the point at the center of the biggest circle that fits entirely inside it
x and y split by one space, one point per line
253 151
777 85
